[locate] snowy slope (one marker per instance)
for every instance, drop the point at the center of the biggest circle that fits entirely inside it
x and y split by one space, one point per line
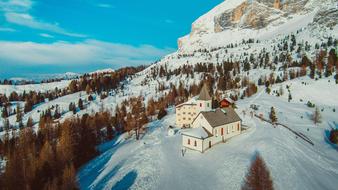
155 162
8 89
204 33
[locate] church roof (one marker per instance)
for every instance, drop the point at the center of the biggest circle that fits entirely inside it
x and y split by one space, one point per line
204 94
199 132
220 117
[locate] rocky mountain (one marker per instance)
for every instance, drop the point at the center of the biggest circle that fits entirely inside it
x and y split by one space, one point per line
235 19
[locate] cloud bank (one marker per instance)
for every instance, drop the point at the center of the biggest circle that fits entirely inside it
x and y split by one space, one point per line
17 12
80 53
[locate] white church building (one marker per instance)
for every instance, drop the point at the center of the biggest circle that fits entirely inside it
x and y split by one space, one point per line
207 126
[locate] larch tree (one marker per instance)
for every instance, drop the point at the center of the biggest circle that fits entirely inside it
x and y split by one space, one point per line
69 178
258 176
18 113
30 122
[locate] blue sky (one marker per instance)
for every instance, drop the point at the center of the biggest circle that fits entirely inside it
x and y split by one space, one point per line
56 36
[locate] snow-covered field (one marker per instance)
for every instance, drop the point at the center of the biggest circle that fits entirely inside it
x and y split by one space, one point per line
156 162
44 87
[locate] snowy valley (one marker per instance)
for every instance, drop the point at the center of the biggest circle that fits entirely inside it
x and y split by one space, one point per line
261 54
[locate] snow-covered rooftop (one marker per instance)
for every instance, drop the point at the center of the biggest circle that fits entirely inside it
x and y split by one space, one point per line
199 132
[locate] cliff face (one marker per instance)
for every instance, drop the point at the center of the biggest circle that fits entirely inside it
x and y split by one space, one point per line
255 15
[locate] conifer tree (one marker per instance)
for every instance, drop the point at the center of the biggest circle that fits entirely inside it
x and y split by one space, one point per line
18 113
30 122
4 113
258 176
80 103
69 178
28 105
316 116
6 124
272 115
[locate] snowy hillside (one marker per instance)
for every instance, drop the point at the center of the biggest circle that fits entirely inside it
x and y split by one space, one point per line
231 21
155 162
239 43
44 87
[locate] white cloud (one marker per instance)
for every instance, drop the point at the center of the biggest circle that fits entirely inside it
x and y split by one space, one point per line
46 35
104 5
15 5
80 53
17 12
27 20
5 29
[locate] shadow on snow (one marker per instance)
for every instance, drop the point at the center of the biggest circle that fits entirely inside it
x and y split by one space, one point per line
126 182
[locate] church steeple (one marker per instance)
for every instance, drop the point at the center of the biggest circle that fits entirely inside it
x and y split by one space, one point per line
204 94
204 101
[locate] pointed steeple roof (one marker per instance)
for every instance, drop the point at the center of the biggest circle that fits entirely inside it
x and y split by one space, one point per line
204 94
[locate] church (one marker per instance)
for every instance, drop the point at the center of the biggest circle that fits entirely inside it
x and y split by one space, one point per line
207 126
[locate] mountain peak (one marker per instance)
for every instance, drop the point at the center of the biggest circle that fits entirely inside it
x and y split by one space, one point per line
247 18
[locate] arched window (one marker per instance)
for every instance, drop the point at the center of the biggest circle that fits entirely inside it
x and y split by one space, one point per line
195 143
188 141
200 104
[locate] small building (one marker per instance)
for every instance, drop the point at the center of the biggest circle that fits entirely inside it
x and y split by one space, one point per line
195 138
210 128
187 112
171 131
226 102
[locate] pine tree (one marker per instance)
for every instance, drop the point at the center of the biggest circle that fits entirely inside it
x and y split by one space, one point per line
80 103
258 176
4 113
57 113
6 124
272 115
290 97
316 116
72 107
18 113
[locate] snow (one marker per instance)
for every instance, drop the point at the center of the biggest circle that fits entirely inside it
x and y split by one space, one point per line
108 70
198 132
156 162
44 87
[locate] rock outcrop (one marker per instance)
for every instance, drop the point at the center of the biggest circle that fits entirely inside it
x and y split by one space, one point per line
242 15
